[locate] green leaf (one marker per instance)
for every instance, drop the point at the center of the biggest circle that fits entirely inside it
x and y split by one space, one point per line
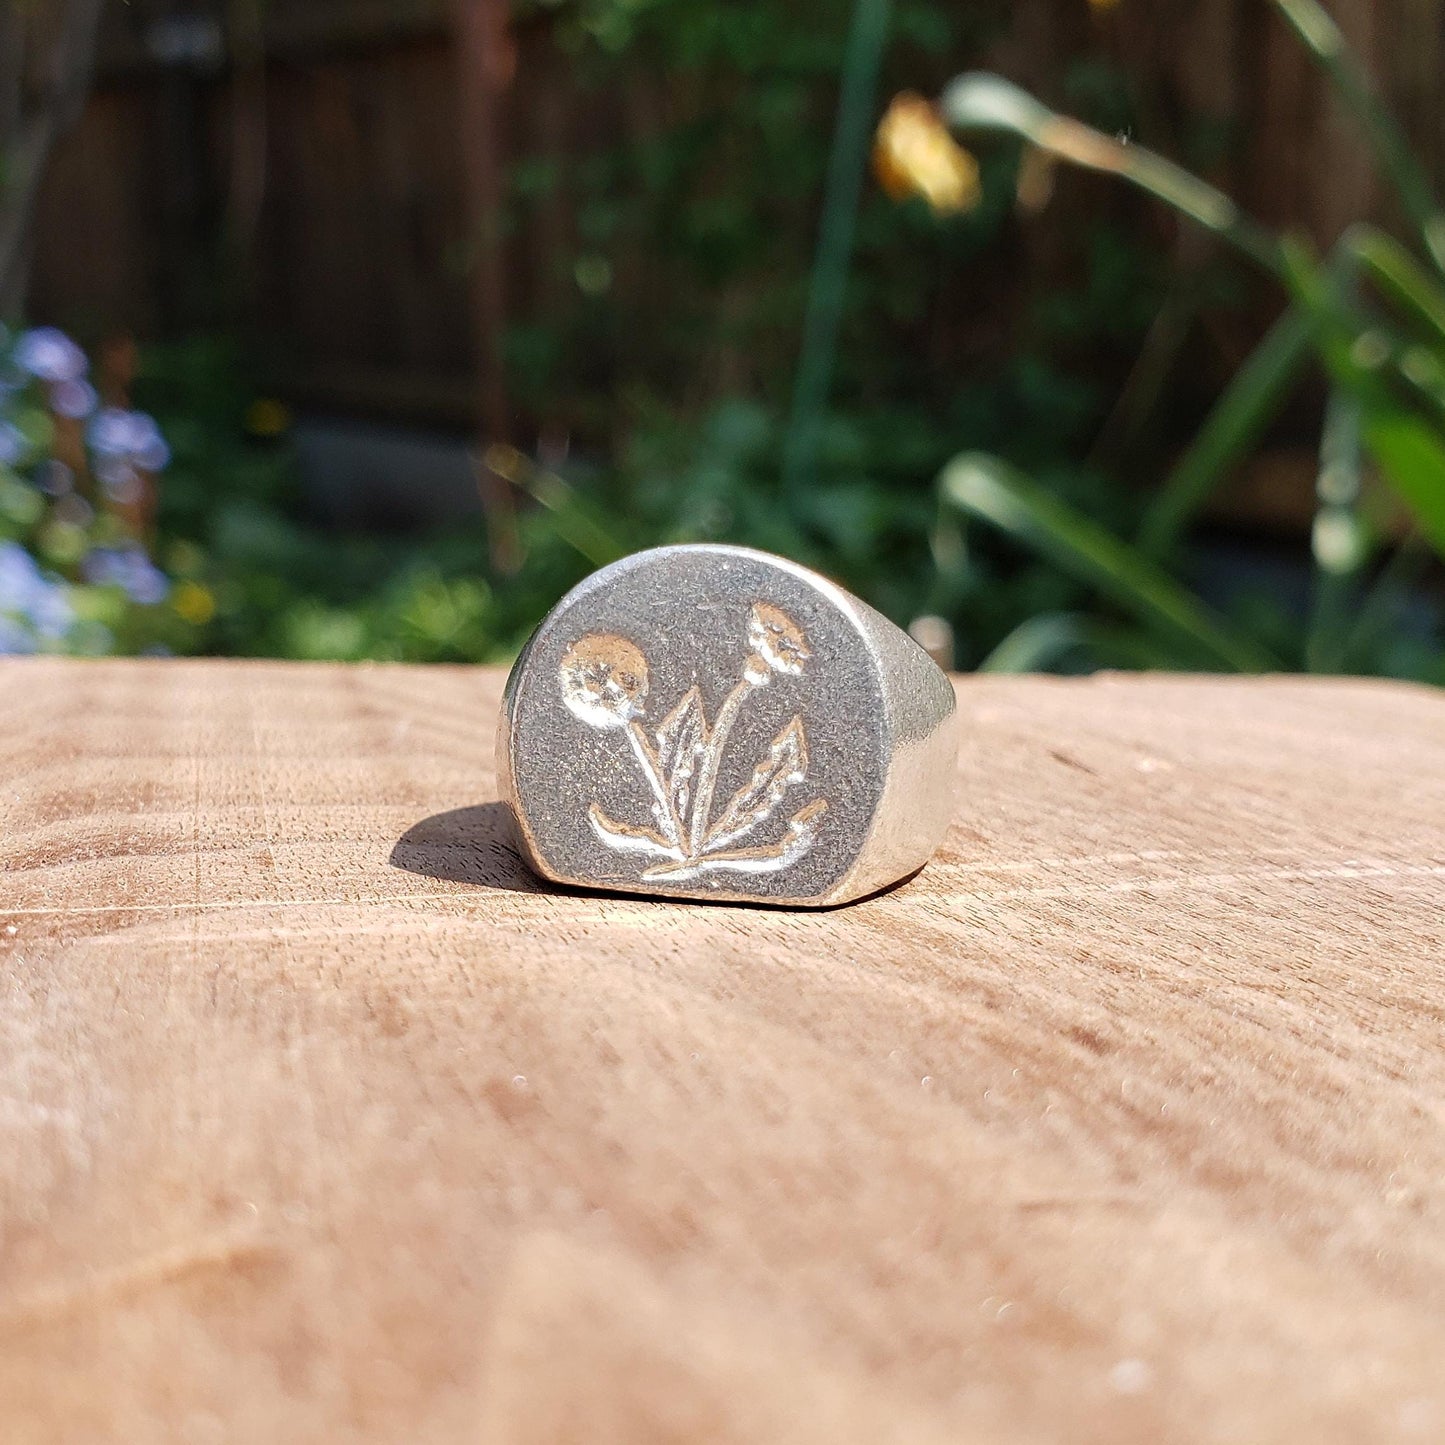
1232 428
986 487
1339 539
1411 454
1400 278
1352 83
981 101
572 519
1039 643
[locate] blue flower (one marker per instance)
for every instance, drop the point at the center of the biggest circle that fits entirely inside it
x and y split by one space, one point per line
50 609
110 433
13 445
14 638
129 569
147 584
155 456
102 567
31 596
55 477
50 355
129 436
73 399
19 578
120 481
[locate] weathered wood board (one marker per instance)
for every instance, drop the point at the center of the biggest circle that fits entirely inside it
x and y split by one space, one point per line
319 1120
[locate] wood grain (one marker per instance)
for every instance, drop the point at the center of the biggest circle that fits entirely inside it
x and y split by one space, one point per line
320 1120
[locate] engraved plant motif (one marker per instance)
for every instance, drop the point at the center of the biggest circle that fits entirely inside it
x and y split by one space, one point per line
604 681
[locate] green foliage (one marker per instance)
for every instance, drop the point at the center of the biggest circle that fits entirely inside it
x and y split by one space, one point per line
1372 316
673 358
696 213
695 210
233 520
1080 547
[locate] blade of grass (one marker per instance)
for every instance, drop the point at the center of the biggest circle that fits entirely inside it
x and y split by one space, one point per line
988 102
1399 278
1412 456
1252 398
571 518
1406 449
1402 416
1375 615
1038 643
1337 537
1322 38
988 488
1363 353
828 286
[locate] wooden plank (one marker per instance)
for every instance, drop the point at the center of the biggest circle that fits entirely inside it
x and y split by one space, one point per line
363 208
365 248
97 218
431 399
135 37
1124 1121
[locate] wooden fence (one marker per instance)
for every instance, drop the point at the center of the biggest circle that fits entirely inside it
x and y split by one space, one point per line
327 145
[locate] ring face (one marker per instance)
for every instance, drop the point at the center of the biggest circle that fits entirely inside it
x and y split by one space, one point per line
703 722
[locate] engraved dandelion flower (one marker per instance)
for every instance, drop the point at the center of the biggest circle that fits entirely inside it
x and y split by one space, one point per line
604 680
777 644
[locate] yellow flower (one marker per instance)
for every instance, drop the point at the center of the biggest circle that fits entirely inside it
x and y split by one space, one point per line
194 603
914 155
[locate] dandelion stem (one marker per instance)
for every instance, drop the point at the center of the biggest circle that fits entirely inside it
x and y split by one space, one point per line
711 760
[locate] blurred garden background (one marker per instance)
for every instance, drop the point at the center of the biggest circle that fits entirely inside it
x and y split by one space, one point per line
364 328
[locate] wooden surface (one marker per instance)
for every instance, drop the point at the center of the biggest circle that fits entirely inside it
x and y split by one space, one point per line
320 1120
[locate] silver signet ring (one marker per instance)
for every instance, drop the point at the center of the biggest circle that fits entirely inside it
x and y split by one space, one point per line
714 722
